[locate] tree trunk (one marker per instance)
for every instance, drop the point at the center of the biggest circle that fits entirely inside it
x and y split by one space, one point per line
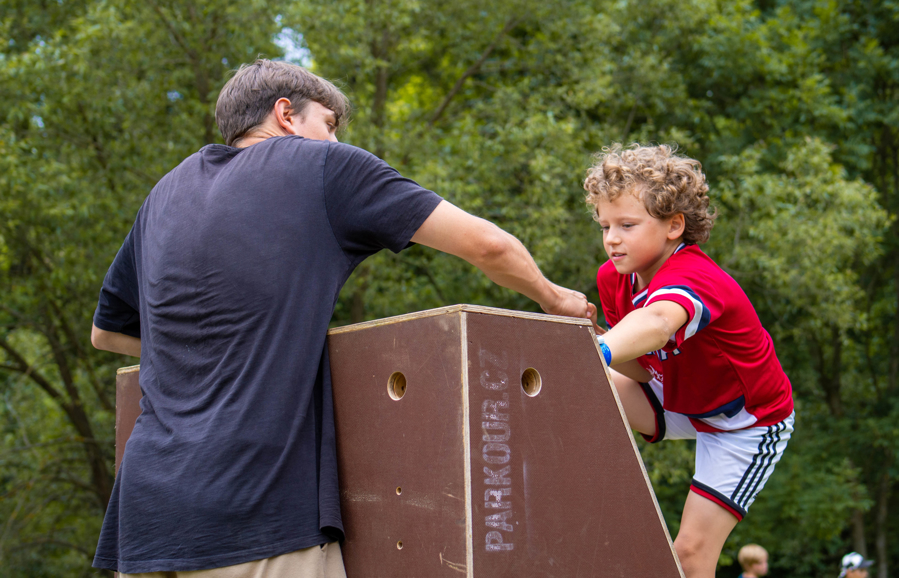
859 544
379 50
881 519
894 348
829 373
357 307
70 403
101 480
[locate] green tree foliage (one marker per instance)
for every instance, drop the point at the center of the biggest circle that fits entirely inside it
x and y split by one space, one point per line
497 106
102 99
797 239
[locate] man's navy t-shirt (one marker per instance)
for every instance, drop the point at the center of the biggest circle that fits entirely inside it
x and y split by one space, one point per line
229 277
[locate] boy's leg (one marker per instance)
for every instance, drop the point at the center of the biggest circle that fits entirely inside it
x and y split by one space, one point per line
731 469
642 404
640 414
704 527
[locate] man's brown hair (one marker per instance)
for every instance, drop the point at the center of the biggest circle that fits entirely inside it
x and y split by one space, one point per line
666 183
250 95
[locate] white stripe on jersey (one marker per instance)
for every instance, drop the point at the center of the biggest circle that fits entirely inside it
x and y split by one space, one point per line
742 420
698 308
678 422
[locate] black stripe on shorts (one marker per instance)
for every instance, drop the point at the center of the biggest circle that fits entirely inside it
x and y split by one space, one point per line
761 461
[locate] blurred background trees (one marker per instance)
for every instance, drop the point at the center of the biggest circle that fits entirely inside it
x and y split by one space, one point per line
498 106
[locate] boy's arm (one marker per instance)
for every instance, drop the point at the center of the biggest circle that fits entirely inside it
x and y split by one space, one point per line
630 368
644 330
633 370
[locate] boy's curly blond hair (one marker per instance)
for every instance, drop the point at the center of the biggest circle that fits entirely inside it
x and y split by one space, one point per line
666 183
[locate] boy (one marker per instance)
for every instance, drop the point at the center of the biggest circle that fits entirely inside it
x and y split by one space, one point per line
689 356
754 561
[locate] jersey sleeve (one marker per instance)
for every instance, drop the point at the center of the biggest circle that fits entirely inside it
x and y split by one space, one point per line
607 284
118 307
370 205
692 291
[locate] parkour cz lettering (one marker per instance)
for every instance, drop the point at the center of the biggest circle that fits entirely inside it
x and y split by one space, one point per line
496 453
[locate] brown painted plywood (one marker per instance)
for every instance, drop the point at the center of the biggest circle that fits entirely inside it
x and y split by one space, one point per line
574 499
401 461
127 408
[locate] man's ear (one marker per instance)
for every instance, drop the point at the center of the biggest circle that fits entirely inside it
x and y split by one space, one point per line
282 114
677 226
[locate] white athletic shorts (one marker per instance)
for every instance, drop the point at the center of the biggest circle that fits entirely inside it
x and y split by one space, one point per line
731 467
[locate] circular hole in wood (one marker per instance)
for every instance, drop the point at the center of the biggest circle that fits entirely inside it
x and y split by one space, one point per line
399 545
399 491
396 386
531 382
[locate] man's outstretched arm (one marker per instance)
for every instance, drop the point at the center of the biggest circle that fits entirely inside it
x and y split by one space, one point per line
115 342
499 255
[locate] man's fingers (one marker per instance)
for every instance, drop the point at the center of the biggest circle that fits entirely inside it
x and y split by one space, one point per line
571 303
582 302
594 318
582 305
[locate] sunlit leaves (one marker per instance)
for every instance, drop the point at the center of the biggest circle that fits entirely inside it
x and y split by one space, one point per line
800 235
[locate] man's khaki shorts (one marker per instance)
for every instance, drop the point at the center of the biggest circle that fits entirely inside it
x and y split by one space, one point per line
315 562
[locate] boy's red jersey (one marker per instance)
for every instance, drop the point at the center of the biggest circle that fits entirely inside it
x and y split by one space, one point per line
720 368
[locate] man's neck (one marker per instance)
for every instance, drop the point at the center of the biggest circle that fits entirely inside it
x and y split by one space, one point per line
264 132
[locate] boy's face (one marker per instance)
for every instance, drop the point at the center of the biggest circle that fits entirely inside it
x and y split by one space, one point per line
860 573
635 241
760 568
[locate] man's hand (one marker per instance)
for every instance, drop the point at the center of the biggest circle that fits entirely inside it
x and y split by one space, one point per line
593 314
567 302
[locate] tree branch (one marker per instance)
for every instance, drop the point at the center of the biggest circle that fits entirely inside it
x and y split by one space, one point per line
202 79
76 343
179 40
28 371
79 419
630 120
62 361
473 69
48 542
423 270
75 482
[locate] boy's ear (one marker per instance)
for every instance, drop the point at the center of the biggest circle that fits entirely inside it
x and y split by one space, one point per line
677 226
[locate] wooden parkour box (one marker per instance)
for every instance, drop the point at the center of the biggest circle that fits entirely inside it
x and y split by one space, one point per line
481 442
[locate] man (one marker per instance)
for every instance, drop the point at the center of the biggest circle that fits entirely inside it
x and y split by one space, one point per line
224 287
854 565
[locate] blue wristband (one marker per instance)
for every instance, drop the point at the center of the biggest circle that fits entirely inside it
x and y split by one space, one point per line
606 352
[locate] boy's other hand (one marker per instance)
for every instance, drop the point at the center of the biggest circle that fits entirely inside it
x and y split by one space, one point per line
593 313
567 303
